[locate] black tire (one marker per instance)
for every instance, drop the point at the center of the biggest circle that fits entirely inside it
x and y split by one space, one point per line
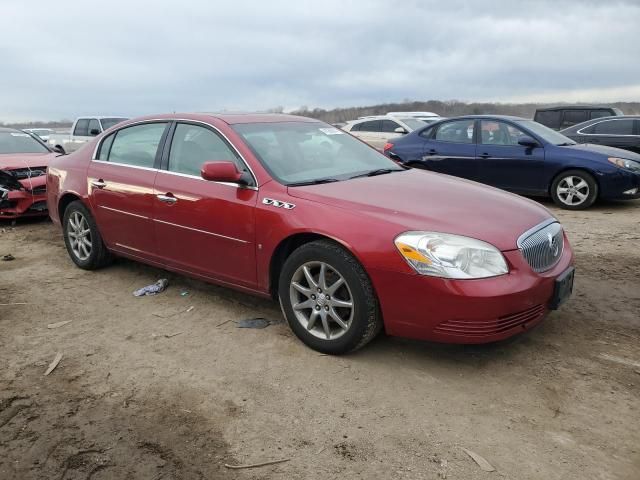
98 255
588 189
365 319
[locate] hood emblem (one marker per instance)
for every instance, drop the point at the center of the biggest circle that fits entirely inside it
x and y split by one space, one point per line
278 203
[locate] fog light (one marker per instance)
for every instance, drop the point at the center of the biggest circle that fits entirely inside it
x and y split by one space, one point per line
633 191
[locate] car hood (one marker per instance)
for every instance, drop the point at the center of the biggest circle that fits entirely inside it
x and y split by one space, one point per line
419 200
601 151
9 161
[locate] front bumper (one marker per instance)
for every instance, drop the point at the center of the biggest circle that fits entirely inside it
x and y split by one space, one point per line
26 202
467 311
617 186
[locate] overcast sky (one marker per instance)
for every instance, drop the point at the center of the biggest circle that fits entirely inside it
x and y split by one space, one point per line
63 58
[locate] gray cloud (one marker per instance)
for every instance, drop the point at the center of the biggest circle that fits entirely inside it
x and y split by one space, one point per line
65 58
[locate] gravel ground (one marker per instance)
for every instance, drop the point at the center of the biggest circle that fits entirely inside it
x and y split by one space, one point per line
152 388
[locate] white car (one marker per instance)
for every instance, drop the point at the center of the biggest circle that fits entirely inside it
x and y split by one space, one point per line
83 130
378 130
427 117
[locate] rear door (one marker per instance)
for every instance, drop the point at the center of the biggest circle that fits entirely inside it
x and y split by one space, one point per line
451 149
505 164
204 227
121 181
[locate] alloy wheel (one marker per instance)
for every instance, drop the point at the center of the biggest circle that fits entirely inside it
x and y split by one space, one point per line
573 190
321 300
79 235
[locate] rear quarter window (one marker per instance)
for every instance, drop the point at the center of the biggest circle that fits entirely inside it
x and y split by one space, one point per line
550 118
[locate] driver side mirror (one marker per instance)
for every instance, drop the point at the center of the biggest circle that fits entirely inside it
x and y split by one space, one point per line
58 149
527 141
400 130
223 171
94 131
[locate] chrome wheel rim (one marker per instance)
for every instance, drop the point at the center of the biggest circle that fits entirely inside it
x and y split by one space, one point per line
321 300
573 190
79 235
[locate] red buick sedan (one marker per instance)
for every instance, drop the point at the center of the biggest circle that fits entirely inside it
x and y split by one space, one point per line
294 209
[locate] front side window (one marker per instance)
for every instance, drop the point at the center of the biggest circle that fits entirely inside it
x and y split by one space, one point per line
499 133
613 127
194 145
20 142
82 128
459 131
307 152
137 145
94 127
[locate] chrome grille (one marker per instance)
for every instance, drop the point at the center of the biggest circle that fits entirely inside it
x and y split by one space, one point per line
542 246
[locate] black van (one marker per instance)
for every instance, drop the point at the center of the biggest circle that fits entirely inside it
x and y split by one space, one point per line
566 116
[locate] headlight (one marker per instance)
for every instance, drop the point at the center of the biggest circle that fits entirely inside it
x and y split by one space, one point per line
450 256
625 163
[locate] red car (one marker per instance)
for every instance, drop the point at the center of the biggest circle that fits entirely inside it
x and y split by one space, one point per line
23 167
294 209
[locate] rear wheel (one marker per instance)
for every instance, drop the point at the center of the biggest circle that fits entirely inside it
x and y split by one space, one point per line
82 239
327 298
574 190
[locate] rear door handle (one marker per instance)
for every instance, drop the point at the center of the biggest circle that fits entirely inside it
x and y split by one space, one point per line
170 199
484 155
99 183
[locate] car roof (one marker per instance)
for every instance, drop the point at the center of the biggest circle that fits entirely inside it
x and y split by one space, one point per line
485 117
576 107
229 118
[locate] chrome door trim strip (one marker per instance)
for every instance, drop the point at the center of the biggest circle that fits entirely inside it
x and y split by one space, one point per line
123 212
195 177
606 119
201 231
168 120
149 169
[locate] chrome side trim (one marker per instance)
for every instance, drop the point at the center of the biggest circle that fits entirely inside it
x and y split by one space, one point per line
168 120
606 119
123 212
202 231
149 169
195 177
128 248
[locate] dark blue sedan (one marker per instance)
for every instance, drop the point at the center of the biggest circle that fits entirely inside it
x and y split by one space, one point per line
521 156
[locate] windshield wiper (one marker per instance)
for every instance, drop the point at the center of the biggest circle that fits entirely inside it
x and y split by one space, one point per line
313 182
379 171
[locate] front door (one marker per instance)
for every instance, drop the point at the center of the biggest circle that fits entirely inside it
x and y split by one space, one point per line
505 164
121 183
204 227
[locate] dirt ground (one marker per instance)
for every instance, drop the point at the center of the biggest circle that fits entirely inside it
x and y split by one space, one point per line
150 388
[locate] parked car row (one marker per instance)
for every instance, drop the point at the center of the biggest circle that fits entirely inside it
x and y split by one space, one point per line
83 130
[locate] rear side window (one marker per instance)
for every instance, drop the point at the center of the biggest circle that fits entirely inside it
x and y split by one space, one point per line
571 117
105 147
389 126
550 118
614 127
460 131
193 145
82 128
371 126
138 145
600 113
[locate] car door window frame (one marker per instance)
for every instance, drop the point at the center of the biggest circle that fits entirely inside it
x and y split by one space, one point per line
112 136
166 150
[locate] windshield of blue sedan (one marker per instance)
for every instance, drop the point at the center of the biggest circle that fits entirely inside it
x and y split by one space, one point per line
546 133
20 142
301 152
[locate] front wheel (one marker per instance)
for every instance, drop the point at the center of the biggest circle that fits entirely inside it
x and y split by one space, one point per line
574 190
327 298
82 238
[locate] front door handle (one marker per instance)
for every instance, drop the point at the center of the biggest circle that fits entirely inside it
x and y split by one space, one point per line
99 183
170 199
484 155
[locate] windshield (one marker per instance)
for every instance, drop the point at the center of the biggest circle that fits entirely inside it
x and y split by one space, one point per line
107 123
20 142
413 123
546 133
301 152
